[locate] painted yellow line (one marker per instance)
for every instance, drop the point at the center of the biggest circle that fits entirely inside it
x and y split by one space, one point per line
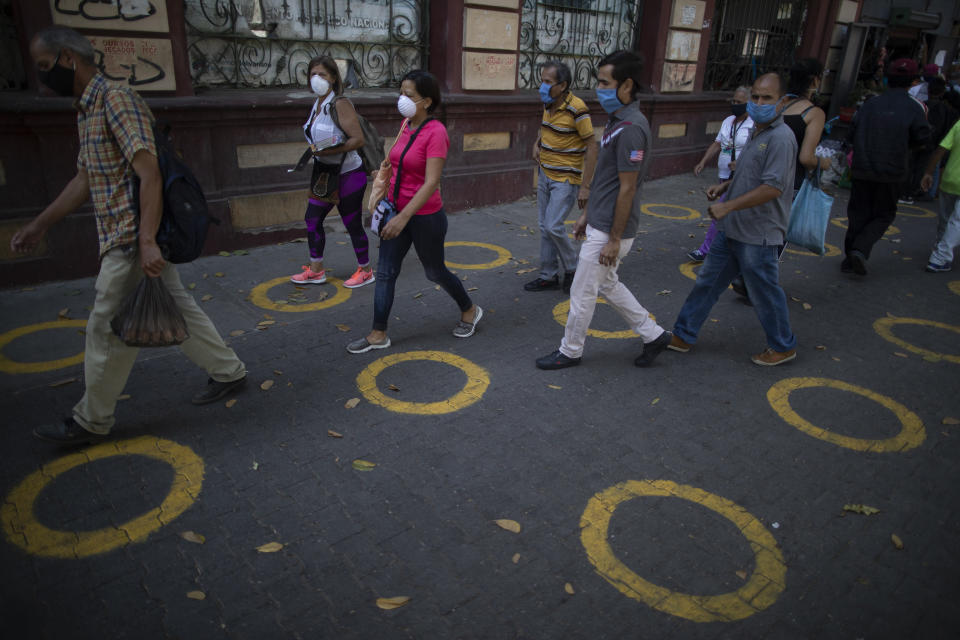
692 214
912 434
884 327
22 528
503 256
842 223
759 592
478 380
954 286
12 366
832 251
258 296
926 213
687 269
562 310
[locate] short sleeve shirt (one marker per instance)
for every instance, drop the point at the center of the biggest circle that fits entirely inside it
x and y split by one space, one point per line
431 142
732 137
114 123
624 147
564 136
950 180
770 158
319 126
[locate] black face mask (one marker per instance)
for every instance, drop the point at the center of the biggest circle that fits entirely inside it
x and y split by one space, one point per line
738 109
58 78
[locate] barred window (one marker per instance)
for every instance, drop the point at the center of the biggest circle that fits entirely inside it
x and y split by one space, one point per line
577 32
255 43
752 37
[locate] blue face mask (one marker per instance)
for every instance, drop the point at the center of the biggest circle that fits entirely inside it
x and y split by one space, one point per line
761 113
609 100
545 93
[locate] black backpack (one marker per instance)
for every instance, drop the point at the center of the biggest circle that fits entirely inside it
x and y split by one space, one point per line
371 153
183 226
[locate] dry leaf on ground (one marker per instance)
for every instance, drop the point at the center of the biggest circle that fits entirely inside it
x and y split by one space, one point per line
206 298
255 466
278 372
569 588
224 254
516 558
807 306
229 403
363 465
392 603
123 396
900 354
861 509
194 537
266 323
393 387
664 292
553 386
417 295
237 332
219 274
897 542
343 327
742 574
64 314
351 403
509 525
949 420
60 383
820 347
334 434
270 547
266 384
196 595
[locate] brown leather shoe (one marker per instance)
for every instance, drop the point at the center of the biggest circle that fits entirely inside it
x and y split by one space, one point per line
771 358
676 344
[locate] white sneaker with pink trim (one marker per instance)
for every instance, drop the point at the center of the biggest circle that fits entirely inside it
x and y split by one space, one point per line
309 276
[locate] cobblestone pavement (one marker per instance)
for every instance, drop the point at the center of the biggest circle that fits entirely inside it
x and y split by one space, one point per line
701 498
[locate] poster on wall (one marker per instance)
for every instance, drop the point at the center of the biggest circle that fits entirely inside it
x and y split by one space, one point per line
113 15
683 45
145 64
678 77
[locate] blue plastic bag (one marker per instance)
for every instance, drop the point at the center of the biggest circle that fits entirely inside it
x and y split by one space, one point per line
810 215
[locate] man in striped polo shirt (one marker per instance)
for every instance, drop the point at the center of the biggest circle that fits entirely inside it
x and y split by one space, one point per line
567 154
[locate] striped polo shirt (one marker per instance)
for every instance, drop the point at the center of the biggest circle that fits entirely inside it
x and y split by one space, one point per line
563 140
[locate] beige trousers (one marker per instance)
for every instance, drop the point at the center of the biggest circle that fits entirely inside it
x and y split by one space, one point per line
108 361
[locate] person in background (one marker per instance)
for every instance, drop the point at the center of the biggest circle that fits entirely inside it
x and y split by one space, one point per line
117 148
733 136
883 132
610 221
322 125
420 221
804 117
752 228
567 154
941 116
948 223
920 88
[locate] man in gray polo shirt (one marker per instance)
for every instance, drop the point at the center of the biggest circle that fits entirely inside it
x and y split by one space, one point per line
752 225
610 221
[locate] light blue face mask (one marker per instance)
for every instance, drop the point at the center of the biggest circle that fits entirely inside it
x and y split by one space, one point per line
545 93
762 113
608 100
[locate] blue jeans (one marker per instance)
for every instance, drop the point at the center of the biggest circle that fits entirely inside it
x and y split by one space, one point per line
555 200
426 234
760 269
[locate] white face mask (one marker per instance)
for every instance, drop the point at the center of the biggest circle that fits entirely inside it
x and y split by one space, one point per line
406 106
319 85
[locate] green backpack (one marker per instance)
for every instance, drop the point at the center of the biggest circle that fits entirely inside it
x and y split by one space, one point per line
371 153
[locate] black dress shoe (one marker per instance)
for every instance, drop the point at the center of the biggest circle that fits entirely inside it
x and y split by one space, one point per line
68 432
556 360
218 390
858 262
652 349
568 281
845 266
542 285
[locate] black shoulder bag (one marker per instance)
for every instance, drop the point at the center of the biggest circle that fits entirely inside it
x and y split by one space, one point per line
387 208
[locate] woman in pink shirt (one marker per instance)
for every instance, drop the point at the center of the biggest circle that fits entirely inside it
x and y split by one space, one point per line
420 220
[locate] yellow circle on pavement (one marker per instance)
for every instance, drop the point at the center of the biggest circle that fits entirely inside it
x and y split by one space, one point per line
884 327
831 251
687 269
954 286
503 256
759 592
477 382
691 214
840 222
258 296
911 435
924 213
22 528
12 366
562 310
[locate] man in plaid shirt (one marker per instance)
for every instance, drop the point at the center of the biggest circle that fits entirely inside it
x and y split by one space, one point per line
116 148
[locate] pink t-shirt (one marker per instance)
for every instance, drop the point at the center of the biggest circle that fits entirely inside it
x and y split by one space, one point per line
432 142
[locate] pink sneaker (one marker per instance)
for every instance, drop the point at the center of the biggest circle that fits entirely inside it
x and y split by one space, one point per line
309 276
360 278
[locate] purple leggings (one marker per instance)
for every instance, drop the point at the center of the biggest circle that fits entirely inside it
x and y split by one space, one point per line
352 185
